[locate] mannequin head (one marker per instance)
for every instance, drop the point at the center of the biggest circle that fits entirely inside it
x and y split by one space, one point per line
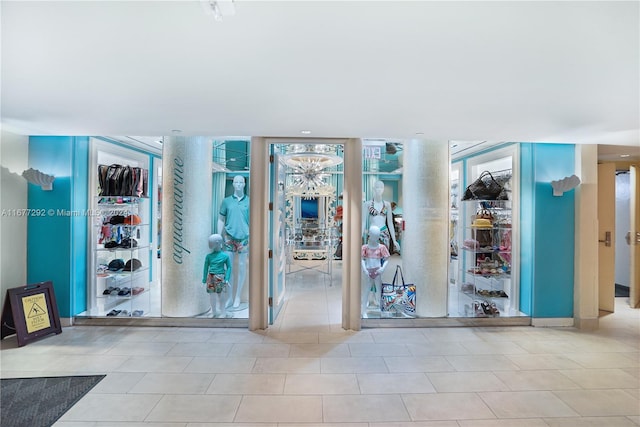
378 189
374 234
215 242
238 184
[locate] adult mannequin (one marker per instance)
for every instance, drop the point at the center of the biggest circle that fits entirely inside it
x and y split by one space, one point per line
375 257
233 225
378 212
216 274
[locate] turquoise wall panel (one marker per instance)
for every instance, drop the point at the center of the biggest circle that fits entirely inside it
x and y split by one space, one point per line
527 227
546 231
57 241
80 224
554 232
48 236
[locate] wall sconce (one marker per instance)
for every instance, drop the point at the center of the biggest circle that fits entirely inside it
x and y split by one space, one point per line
36 177
565 184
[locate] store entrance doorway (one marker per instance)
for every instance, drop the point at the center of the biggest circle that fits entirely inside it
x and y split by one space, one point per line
304 232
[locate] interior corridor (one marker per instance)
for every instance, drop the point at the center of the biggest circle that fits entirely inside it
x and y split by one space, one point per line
306 371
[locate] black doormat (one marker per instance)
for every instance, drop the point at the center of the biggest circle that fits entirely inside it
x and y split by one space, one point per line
622 291
40 402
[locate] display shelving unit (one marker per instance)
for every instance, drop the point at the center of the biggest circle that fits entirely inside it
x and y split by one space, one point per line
121 257
485 285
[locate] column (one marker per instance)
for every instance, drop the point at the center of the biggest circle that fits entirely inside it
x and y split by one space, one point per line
585 312
186 224
425 241
258 280
352 235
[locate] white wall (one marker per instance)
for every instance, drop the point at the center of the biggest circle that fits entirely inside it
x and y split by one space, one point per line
13 196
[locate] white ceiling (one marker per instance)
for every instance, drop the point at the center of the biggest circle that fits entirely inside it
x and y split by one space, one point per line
496 71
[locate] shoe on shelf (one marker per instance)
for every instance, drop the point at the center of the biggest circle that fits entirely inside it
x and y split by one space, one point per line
486 308
494 309
478 310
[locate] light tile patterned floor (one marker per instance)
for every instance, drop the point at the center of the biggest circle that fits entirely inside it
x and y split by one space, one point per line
306 371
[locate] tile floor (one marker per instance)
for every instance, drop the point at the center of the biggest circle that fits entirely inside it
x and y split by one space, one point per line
306 371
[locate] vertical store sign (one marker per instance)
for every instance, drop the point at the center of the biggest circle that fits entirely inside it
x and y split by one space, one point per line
186 218
178 249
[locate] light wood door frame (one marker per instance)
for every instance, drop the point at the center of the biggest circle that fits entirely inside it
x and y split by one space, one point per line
606 236
634 237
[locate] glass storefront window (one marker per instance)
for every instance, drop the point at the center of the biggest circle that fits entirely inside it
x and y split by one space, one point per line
381 230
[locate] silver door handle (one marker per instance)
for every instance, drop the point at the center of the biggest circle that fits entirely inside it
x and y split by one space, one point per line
627 237
607 238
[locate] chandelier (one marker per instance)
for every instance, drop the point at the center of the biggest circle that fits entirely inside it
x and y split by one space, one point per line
308 161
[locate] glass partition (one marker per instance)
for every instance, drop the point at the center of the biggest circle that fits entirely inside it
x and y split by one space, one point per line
382 231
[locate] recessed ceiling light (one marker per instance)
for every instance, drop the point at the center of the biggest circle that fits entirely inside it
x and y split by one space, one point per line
305 132
419 133
176 131
625 155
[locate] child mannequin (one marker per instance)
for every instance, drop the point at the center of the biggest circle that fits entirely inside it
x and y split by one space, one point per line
217 270
375 257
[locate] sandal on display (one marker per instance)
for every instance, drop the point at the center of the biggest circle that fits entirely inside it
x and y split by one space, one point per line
486 308
494 309
477 309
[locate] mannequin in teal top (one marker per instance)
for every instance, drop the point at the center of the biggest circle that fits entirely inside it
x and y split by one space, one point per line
216 274
233 225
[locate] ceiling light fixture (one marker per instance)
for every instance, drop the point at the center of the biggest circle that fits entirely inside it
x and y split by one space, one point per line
308 161
218 8
305 132
625 155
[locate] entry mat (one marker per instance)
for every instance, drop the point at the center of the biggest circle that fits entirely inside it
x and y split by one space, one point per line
40 402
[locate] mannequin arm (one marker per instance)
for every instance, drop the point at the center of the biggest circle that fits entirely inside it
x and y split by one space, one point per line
206 270
227 273
384 265
391 226
365 217
221 221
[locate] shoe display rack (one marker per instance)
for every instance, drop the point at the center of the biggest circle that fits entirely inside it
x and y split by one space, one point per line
484 268
121 257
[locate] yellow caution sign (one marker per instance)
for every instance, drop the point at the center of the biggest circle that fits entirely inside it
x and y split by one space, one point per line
36 315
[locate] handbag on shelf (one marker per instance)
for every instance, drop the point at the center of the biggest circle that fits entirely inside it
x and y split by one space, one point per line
119 180
485 188
398 296
482 227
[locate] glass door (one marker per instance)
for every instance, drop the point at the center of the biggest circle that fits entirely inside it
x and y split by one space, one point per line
278 237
